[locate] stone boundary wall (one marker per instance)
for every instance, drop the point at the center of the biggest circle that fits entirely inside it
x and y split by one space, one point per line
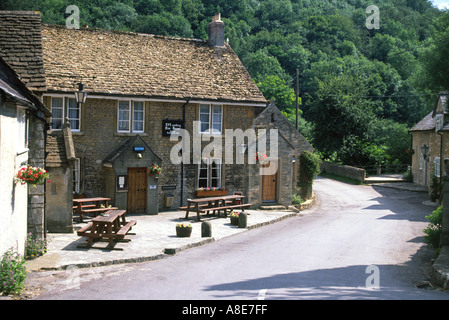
344 171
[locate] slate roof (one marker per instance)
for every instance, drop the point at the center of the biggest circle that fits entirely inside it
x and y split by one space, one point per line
132 64
426 124
56 150
21 46
12 86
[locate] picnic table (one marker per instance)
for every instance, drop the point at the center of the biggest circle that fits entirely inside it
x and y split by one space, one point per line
89 205
111 225
214 204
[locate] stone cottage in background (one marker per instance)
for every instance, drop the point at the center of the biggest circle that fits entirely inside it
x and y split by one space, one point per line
430 143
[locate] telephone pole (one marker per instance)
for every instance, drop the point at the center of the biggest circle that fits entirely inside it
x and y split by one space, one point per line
297 98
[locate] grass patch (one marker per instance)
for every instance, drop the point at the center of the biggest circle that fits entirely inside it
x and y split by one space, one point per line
340 178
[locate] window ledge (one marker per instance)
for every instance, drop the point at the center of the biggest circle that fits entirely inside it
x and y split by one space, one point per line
130 134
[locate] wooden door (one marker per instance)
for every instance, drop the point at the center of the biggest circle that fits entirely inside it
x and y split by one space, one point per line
269 185
137 190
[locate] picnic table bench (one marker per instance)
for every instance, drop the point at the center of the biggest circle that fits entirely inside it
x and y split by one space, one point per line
90 205
214 204
111 225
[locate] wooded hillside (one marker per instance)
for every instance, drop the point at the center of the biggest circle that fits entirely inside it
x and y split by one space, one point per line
361 89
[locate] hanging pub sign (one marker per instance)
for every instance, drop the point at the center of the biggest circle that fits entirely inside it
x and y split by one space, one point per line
171 125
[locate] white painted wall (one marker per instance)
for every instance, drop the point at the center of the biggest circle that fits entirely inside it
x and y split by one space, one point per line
13 196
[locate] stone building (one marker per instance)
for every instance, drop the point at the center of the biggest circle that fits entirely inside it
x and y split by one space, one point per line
430 143
141 88
60 163
23 73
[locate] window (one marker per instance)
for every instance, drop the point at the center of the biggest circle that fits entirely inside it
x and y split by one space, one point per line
125 122
74 115
124 110
438 122
436 161
57 110
138 116
209 173
211 118
21 130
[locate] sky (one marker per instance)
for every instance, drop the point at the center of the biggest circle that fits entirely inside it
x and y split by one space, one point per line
441 3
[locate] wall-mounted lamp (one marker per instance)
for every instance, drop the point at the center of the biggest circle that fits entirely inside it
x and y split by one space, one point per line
81 95
425 151
139 156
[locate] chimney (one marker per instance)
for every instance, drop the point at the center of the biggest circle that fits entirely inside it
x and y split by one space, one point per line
216 32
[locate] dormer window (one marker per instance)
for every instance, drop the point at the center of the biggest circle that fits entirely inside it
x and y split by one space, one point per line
438 122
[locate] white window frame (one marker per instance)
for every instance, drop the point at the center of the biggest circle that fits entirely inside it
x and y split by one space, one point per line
208 165
22 130
131 117
123 120
421 161
73 120
211 122
134 120
437 164
438 122
62 113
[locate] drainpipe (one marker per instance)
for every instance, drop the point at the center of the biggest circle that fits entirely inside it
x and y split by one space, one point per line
441 155
182 160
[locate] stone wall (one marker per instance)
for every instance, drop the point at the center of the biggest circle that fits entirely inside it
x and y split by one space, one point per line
98 137
344 171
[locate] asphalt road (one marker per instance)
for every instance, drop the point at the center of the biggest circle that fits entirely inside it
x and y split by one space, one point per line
357 242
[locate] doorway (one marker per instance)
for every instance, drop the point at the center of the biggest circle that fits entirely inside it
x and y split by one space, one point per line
269 187
137 190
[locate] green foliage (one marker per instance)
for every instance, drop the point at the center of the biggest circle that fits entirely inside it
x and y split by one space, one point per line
296 199
434 228
12 273
309 168
34 247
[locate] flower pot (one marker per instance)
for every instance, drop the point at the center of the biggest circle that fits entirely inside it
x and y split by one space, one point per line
211 193
235 221
183 232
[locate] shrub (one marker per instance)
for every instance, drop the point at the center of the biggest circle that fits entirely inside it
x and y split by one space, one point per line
12 273
296 199
34 247
434 229
309 168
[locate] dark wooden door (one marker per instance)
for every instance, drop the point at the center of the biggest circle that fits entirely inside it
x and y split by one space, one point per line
137 190
269 185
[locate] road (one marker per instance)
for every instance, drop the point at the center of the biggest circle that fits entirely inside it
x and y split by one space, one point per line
357 242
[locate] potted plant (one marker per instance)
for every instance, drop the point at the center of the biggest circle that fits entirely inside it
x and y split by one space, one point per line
154 170
261 158
235 218
183 230
211 192
31 175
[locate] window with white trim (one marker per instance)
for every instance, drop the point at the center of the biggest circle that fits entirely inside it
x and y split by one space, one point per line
436 162
57 110
131 116
211 118
138 116
74 114
22 128
209 173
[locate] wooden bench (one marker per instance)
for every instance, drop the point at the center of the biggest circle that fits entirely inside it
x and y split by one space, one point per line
83 230
127 227
242 206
